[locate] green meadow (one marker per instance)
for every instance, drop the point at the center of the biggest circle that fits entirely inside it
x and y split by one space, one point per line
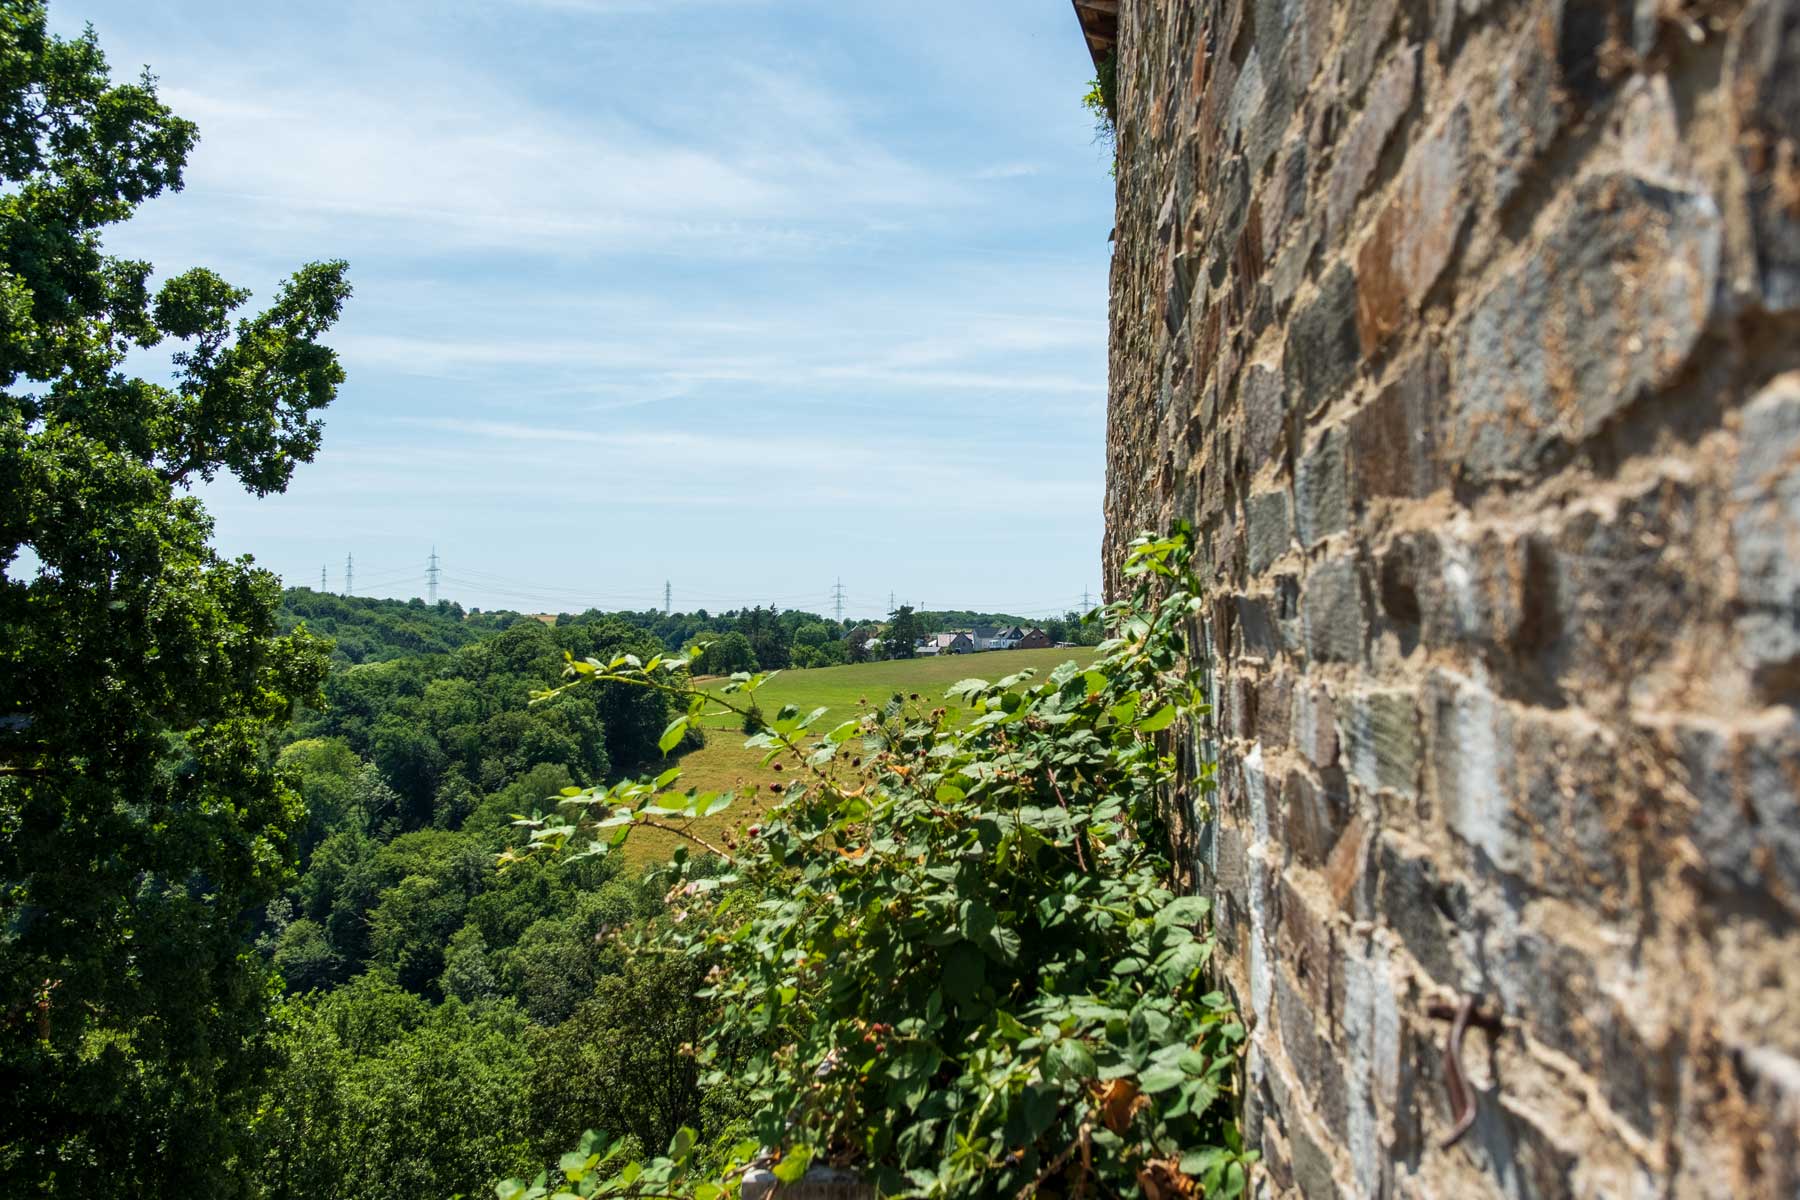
724 764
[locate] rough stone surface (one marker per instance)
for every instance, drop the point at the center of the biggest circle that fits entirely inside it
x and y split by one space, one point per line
1336 620
1767 75
1322 488
1606 307
1270 529
1395 444
1360 149
1766 530
1323 350
1467 335
1380 737
1415 234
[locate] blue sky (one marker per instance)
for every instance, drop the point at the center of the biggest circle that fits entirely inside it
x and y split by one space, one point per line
744 296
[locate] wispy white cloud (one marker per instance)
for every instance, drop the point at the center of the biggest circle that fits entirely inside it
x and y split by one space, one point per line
776 165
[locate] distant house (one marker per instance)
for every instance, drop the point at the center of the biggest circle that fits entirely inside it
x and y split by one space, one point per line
997 637
982 637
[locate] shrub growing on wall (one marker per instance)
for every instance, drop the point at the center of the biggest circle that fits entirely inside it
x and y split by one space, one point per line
951 959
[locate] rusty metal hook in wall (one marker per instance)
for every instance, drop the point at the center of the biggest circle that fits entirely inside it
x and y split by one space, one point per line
1466 1012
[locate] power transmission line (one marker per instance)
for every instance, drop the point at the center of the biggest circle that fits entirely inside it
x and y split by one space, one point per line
322 588
431 578
837 597
349 573
668 593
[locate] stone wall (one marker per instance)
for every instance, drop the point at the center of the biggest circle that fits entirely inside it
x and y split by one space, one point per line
1467 334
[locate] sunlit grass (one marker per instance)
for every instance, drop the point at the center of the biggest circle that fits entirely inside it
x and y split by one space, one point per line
723 764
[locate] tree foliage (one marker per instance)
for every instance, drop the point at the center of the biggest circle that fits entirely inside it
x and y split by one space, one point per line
903 633
142 820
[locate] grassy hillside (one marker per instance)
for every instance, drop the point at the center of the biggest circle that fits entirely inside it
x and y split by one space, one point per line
839 688
724 763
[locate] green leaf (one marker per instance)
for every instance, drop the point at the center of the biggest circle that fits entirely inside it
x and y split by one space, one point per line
682 1144
793 1165
1069 1059
671 736
1183 910
1160 1078
1198 1162
1159 720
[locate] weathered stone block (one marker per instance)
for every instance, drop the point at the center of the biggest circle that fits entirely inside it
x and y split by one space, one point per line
1237 699
1766 68
1256 632
1745 783
1416 233
1264 403
1367 34
1312 1168
1422 907
1394 440
1288 618
1270 528
1526 98
1470 734
1274 700
1577 813
1297 33
1612 599
1316 815
1765 530
1359 150
1315 728
1230 211
1334 612
1246 97
1322 489
1285 201
1380 736
1315 1069
1323 353
1609 306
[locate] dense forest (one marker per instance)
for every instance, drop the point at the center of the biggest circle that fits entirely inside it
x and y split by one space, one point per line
431 998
